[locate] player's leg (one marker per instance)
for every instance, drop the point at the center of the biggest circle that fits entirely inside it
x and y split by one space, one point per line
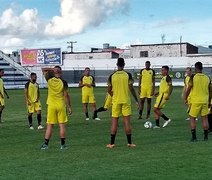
85 107
142 100
30 121
157 117
148 107
38 111
210 122
1 108
204 115
62 135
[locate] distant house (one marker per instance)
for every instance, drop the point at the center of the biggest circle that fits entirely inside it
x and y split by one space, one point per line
162 50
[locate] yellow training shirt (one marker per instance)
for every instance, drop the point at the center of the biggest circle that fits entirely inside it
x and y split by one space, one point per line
33 90
147 76
165 83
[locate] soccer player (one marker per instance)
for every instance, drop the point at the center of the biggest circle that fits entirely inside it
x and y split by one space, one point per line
120 84
200 98
146 87
105 107
87 83
165 90
32 96
58 102
2 92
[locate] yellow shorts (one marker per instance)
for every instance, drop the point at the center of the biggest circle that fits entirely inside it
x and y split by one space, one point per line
88 98
196 109
34 107
160 101
56 114
2 103
146 93
121 109
108 101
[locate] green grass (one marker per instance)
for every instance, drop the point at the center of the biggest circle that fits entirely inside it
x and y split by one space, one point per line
164 153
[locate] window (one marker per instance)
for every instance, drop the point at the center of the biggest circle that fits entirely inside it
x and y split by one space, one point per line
143 53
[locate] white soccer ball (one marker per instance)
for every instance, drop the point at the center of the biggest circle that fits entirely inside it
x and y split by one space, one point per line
148 125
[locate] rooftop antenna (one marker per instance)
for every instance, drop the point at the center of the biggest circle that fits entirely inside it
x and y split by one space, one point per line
71 45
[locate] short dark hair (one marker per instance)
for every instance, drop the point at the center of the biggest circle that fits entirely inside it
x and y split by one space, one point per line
32 74
87 68
58 67
198 65
1 69
120 62
147 62
166 67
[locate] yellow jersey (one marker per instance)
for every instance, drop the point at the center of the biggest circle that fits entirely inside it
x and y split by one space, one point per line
87 80
186 81
147 76
165 84
56 88
200 88
33 91
120 81
2 87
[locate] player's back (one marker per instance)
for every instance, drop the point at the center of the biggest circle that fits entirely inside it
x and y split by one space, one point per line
200 88
120 87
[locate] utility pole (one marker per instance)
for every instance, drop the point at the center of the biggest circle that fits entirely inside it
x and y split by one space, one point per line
71 45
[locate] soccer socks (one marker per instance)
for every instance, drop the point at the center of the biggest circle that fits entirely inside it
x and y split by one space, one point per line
157 122
62 141
193 133
112 138
39 119
86 114
46 142
129 140
164 117
205 135
30 119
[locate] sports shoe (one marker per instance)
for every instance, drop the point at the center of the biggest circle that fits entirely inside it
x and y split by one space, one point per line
187 119
44 146
40 127
131 145
87 119
63 147
110 146
196 119
31 127
97 119
166 123
156 127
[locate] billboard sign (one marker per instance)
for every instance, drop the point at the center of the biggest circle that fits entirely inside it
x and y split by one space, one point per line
48 56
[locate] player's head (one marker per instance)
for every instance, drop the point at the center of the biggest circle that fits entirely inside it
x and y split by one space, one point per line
33 77
165 70
120 63
188 71
198 67
87 71
57 71
147 64
1 72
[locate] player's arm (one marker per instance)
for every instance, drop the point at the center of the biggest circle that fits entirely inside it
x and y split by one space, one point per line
132 90
26 93
188 90
67 97
5 92
93 82
139 82
153 83
109 88
38 94
210 95
81 82
184 89
48 73
169 81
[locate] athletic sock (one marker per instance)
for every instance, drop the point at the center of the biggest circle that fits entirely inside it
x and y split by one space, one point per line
112 139
62 141
157 122
30 119
129 139
193 132
86 114
46 141
39 119
205 134
164 117
140 112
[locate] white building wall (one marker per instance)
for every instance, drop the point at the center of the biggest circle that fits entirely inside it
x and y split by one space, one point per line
87 55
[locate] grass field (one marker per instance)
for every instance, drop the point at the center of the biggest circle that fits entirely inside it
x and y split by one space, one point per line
164 153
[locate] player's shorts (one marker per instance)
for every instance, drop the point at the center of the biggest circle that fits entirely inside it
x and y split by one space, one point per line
56 114
88 98
160 101
34 107
146 93
121 109
108 101
2 103
195 109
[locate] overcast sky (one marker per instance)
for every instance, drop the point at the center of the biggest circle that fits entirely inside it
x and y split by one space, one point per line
52 23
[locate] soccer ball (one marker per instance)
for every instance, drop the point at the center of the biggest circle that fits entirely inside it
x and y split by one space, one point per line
148 125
